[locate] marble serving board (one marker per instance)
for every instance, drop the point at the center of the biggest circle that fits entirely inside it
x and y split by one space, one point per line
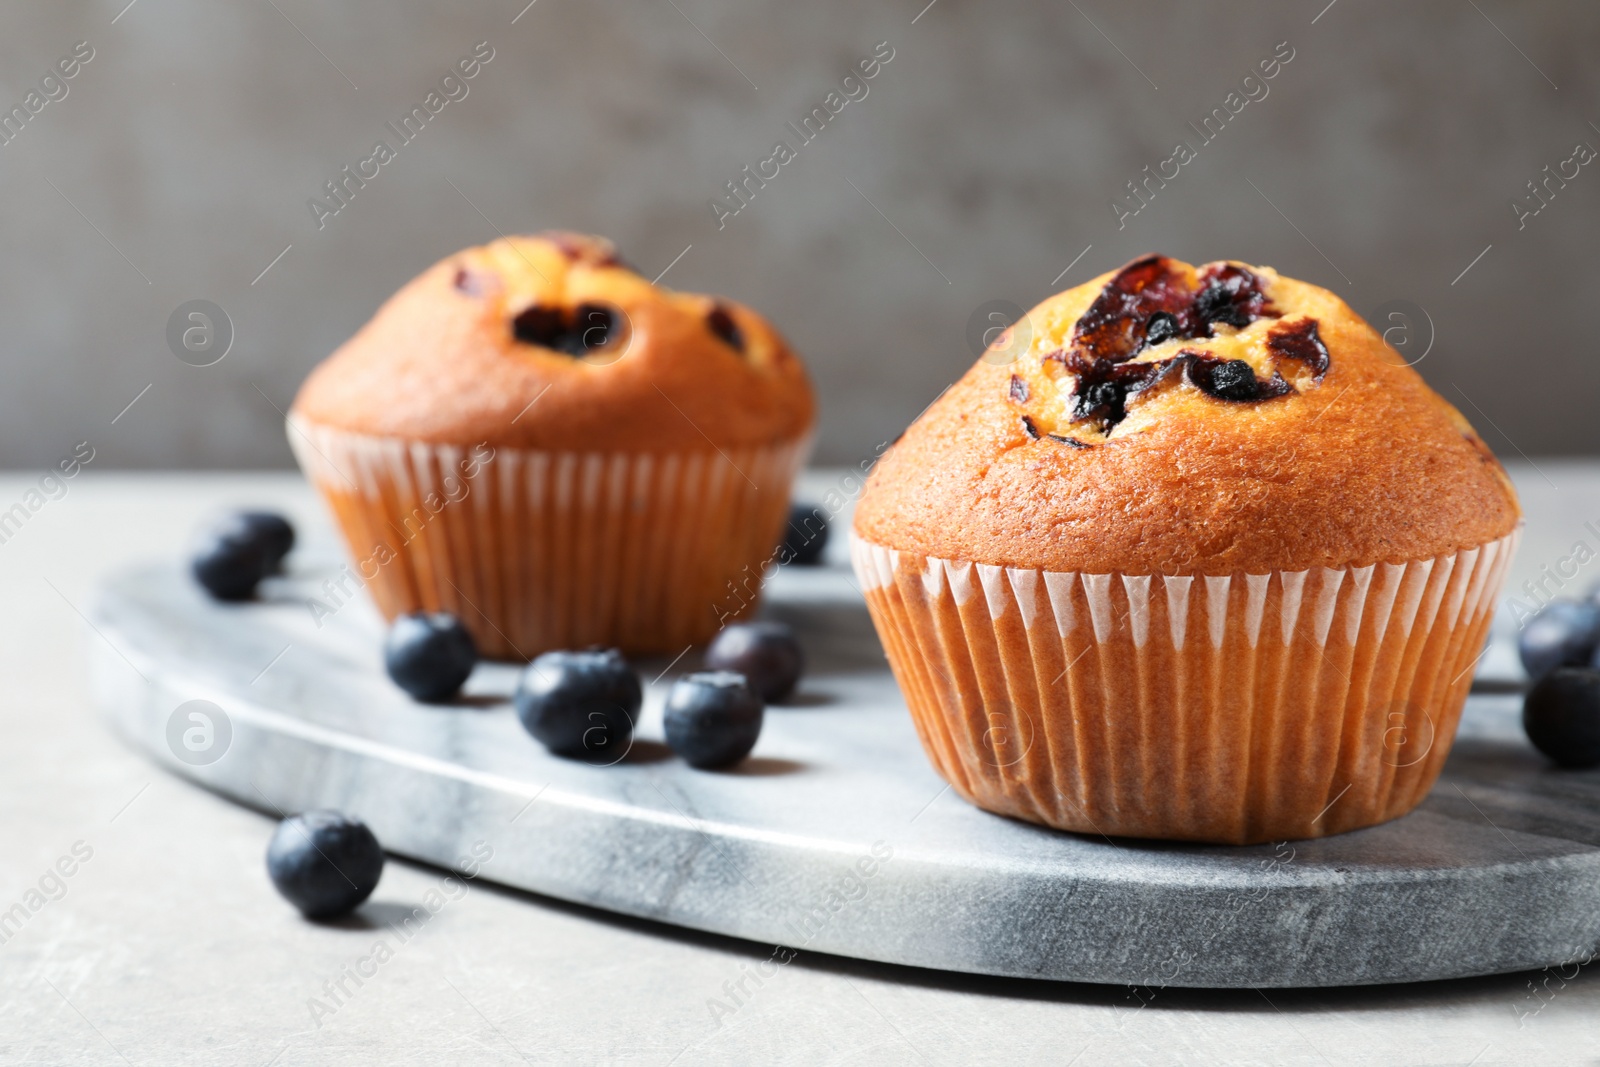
837 836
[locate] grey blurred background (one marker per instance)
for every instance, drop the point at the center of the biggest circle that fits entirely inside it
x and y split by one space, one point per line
982 165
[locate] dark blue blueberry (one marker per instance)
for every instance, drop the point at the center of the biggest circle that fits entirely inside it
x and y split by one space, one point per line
1161 328
1231 295
722 324
574 331
712 719
581 705
766 653
228 565
324 863
238 550
1234 380
269 530
1563 634
805 537
429 655
1562 716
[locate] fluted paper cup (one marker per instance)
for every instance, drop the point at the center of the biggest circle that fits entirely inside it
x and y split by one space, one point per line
1225 708
537 550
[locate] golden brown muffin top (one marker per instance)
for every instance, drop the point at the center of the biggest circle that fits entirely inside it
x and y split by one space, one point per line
1178 420
551 342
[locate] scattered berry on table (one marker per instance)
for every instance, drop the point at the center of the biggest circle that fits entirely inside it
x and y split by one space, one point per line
324 863
233 554
766 653
1562 716
269 530
712 718
805 537
228 568
581 705
1563 634
429 654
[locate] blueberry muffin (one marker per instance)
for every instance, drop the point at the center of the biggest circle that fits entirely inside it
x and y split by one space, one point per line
1205 561
534 437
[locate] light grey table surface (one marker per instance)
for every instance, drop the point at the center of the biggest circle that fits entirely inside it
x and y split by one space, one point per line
169 946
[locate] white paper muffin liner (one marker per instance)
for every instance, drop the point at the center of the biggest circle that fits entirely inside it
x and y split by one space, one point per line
1226 708
537 550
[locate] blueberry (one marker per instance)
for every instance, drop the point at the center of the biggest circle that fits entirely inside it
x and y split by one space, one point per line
593 325
1562 716
766 653
721 323
237 551
805 537
541 325
1162 327
1227 300
1234 380
581 705
574 331
269 530
324 863
228 565
1100 395
429 655
1563 634
712 719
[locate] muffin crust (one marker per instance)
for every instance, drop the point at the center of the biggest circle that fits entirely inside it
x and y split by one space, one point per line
1264 427
551 342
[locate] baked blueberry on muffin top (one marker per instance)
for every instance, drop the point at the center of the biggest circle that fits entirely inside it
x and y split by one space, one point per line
1136 340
